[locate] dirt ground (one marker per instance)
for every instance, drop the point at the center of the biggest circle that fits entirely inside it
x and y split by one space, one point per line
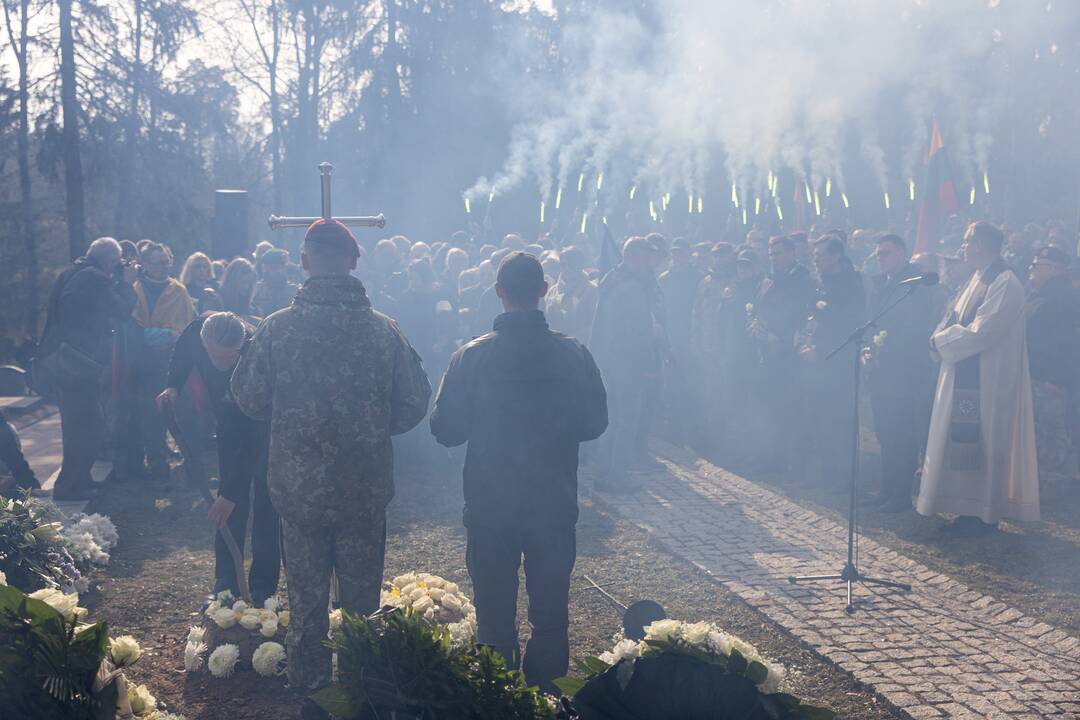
162 568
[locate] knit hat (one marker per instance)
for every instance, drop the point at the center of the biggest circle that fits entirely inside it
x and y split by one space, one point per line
331 235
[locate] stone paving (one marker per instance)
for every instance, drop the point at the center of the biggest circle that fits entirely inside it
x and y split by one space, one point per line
939 651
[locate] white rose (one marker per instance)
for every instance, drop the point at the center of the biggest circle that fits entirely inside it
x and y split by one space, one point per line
125 651
283 618
240 606
271 604
66 605
696 633
223 660
424 604
212 608
225 597
249 621
451 587
625 648
269 628
335 619
142 702
224 618
663 630
268 659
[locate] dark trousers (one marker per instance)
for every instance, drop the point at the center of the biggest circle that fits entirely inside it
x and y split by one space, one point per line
242 457
82 430
493 557
901 430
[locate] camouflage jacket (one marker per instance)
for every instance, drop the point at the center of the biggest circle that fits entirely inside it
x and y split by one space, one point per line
336 379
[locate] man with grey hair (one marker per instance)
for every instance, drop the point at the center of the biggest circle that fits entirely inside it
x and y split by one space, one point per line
86 302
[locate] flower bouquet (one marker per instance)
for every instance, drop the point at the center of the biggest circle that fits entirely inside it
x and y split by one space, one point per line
685 671
237 630
52 666
398 664
436 599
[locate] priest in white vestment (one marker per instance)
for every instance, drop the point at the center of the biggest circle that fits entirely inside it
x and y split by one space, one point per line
980 455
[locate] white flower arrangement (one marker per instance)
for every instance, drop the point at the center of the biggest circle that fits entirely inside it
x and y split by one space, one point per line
124 651
269 659
193 655
700 637
65 604
142 702
223 660
437 599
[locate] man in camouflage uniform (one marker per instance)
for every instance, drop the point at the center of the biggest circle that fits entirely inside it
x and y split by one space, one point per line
336 379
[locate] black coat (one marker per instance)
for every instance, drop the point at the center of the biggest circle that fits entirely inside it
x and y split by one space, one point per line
523 398
902 365
85 305
1053 333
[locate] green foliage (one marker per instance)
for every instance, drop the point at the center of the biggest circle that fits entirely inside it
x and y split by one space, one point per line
398 663
47 666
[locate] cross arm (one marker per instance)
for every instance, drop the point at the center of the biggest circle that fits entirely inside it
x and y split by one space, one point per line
278 222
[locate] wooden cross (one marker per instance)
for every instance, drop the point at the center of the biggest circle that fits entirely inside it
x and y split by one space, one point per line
325 169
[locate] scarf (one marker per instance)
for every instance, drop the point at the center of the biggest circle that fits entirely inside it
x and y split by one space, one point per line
965 448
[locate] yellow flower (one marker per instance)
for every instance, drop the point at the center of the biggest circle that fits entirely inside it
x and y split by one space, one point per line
395 591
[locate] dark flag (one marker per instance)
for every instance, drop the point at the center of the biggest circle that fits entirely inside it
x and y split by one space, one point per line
939 199
609 251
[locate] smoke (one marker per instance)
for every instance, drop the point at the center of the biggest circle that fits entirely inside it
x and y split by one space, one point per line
662 96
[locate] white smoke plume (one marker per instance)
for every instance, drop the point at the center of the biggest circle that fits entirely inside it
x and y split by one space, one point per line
659 95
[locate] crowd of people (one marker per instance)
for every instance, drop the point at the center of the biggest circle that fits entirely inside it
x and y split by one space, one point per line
301 372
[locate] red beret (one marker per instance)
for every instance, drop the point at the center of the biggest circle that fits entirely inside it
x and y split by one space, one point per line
332 234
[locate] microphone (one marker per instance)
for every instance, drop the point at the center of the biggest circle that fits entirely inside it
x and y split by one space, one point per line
930 278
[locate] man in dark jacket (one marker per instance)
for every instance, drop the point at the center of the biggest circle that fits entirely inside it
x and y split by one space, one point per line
87 300
902 375
786 301
1053 341
211 345
523 398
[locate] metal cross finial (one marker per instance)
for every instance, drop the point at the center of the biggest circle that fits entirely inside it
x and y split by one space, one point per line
325 170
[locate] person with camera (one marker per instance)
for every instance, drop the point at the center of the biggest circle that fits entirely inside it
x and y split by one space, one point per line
87 301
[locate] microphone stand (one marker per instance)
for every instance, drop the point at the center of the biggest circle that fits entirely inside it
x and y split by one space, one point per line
850 574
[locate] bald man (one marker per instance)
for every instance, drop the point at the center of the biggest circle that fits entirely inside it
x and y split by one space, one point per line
87 301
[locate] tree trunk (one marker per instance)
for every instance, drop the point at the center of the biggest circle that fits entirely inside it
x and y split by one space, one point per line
275 108
73 179
123 225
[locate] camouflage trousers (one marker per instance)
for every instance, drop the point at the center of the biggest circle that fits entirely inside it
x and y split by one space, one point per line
354 554
1053 443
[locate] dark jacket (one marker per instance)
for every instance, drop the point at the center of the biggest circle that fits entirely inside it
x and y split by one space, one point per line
84 306
902 365
786 303
1053 333
238 435
523 397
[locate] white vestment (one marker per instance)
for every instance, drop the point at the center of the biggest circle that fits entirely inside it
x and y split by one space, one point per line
1006 483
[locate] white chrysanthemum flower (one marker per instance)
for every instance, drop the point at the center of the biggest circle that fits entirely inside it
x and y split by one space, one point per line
249 621
223 660
625 648
193 653
162 715
196 634
271 604
268 659
212 608
663 630
142 702
125 651
99 526
268 629
224 618
85 548
283 618
335 619
3 578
